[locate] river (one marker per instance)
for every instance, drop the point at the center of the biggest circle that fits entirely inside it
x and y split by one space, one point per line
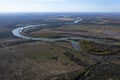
17 32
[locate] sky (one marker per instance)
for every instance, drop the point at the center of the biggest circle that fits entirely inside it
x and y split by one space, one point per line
59 5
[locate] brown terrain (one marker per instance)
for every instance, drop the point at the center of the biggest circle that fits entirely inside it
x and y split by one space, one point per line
22 59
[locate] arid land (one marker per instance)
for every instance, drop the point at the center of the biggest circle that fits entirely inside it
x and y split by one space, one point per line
22 59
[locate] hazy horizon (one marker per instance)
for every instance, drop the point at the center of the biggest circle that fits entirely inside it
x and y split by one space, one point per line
59 6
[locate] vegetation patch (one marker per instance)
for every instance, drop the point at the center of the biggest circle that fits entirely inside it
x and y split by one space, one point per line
98 48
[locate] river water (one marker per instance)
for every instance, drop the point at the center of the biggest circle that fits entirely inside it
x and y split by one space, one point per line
17 32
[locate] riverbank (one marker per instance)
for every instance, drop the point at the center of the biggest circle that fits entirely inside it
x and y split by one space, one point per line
103 56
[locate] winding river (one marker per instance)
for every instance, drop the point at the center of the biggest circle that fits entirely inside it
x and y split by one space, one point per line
17 32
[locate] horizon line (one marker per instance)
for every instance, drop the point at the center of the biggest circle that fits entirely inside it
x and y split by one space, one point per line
63 12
